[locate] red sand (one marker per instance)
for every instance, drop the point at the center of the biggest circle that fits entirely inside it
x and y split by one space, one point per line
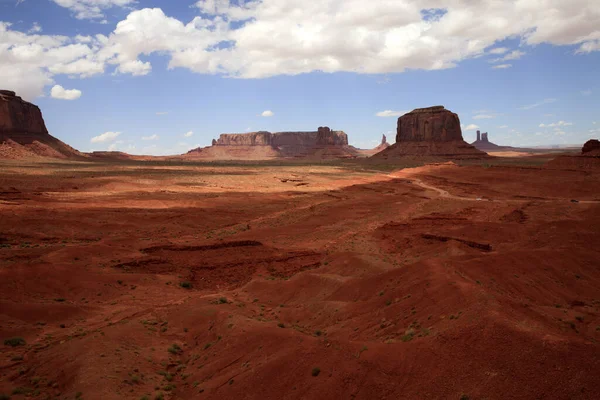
435 282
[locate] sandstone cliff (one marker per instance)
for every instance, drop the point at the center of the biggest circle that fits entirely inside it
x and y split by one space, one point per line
23 133
432 131
261 138
19 116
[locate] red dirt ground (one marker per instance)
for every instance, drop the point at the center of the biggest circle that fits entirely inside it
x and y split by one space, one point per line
435 282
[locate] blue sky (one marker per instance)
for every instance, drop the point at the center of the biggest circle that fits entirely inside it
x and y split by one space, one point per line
154 77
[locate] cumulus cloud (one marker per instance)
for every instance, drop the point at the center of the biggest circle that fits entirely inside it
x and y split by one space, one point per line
267 113
484 116
539 103
91 9
189 134
258 39
502 66
152 137
471 127
59 92
106 137
390 113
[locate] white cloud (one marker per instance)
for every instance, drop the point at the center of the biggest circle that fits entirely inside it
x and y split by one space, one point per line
471 127
555 124
390 113
59 92
498 50
105 137
258 39
587 92
91 9
502 66
513 55
152 137
189 134
36 28
162 113
484 116
267 113
503 127
539 103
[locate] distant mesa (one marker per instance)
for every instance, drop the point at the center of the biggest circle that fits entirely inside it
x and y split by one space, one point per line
23 132
323 143
432 131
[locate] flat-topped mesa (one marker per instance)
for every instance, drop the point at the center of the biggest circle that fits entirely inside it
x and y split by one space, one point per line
432 124
261 138
19 116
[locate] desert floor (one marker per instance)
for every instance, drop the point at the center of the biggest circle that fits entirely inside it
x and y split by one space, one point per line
267 281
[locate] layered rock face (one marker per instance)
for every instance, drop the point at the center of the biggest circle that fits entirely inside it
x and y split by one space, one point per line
432 131
323 143
327 137
261 138
23 133
433 124
19 116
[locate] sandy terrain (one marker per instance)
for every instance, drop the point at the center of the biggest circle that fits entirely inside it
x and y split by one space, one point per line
184 281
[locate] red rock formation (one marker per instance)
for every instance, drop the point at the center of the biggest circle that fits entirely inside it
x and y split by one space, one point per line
591 146
324 143
261 138
23 133
432 131
327 137
589 159
433 124
19 116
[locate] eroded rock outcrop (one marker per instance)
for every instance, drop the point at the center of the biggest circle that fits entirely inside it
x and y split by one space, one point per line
588 159
23 133
432 131
323 143
19 116
261 138
591 146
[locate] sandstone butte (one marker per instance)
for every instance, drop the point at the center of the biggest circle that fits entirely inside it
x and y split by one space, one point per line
23 132
432 131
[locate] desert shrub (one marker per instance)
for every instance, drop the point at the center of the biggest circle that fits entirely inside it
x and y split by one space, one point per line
316 371
185 284
174 349
14 341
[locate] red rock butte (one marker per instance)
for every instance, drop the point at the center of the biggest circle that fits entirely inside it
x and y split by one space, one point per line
23 132
431 131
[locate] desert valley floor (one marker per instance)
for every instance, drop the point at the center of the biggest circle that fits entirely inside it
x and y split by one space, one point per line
332 281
